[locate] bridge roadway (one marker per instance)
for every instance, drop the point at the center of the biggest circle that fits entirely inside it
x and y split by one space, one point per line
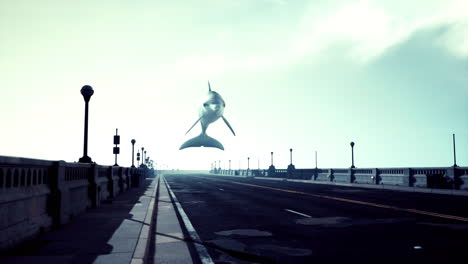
245 220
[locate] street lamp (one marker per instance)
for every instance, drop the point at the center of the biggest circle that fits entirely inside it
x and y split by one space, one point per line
87 91
291 166
248 163
133 152
146 158
229 165
271 169
142 156
352 154
290 155
454 153
316 159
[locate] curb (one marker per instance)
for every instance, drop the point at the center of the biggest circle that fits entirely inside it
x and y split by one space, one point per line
203 255
140 254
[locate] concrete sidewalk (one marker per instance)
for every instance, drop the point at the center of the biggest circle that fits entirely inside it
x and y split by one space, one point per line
171 246
114 233
140 226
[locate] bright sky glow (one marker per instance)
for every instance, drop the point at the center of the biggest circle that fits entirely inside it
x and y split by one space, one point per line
391 76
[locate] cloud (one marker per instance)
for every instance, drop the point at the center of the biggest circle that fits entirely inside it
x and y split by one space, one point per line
363 29
371 27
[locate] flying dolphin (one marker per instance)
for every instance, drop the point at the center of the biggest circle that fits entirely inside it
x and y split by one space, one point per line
211 110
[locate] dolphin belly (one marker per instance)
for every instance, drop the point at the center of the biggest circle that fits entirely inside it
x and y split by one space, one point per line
203 140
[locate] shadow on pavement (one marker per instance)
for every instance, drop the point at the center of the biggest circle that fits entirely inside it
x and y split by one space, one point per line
107 234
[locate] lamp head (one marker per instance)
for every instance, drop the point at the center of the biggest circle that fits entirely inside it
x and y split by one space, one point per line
87 91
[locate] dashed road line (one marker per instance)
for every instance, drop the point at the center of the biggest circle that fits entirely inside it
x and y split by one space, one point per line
396 208
298 213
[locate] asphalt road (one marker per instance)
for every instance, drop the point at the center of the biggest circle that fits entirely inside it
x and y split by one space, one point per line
243 220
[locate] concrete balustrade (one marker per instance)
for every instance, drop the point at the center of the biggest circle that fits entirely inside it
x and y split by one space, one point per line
37 195
433 177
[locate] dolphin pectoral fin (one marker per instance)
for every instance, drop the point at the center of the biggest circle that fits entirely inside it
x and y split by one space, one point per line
203 140
193 126
227 123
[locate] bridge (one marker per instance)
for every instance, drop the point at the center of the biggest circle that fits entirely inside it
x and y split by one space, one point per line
60 212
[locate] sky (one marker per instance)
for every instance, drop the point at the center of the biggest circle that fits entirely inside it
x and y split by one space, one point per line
392 76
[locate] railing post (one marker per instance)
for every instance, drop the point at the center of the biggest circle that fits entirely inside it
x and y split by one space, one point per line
58 206
127 179
93 187
136 177
110 182
375 176
451 174
330 174
408 179
351 175
130 177
121 180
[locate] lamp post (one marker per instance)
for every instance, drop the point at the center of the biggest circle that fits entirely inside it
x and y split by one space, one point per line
87 91
290 156
271 169
146 158
352 154
316 159
248 163
142 156
133 152
229 165
291 167
219 164
454 152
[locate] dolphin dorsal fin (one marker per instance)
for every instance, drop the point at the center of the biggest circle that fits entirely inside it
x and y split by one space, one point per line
209 86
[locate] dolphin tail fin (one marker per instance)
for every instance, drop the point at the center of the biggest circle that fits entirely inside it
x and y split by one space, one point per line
203 140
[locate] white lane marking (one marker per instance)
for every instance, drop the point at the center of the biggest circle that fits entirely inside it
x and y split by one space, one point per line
294 212
221 189
201 250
